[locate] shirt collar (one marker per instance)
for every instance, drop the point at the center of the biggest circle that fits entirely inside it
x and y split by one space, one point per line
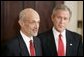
57 33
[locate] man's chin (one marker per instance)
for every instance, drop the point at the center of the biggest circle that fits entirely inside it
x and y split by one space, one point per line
60 30
35 34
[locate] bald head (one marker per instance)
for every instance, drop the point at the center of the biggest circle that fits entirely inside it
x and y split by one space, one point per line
29 12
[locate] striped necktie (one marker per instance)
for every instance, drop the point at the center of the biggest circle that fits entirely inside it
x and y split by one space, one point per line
32 49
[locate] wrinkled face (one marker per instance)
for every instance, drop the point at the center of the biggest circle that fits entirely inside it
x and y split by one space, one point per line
30 24
60 19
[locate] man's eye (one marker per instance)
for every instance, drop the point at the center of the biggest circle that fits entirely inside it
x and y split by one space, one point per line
65 18
59 17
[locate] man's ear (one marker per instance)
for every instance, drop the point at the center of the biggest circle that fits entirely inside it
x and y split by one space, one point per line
52 17
21 23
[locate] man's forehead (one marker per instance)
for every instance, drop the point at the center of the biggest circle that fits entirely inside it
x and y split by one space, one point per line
32 18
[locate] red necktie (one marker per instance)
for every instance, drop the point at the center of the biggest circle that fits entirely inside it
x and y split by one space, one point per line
60 47
32 49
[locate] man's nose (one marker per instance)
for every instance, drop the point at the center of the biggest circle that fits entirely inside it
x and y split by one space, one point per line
62 20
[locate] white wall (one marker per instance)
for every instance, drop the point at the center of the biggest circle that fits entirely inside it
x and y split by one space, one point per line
77 14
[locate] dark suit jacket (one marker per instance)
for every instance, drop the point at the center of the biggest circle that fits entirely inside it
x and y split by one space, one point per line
17 47
49 47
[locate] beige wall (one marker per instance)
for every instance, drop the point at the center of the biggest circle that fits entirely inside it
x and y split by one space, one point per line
77 15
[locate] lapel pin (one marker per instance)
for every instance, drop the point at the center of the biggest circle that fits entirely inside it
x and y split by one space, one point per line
70 44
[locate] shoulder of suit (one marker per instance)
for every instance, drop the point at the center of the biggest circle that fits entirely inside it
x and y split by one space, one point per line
12 42
75 35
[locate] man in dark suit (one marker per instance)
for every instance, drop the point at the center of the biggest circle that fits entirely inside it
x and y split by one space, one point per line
29 21
71 42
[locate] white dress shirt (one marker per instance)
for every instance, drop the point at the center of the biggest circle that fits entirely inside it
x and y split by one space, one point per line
26 40
56 36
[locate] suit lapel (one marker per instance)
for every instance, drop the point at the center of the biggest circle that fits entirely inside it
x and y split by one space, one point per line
23 48
37 46
68 43
52 44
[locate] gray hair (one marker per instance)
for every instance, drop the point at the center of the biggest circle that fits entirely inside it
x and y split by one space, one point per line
22 14
61 7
